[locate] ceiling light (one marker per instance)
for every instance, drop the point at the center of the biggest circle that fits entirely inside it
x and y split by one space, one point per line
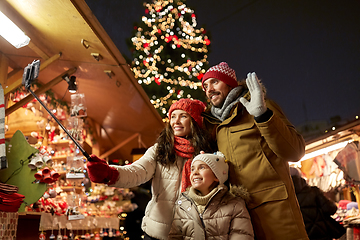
72 83
12 33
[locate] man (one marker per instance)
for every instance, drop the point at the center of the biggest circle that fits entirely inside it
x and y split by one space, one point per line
258 140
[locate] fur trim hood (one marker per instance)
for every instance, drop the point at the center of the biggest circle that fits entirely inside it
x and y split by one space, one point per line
240 191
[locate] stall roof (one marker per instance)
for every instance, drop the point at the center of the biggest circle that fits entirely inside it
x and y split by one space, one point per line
67 38
343 133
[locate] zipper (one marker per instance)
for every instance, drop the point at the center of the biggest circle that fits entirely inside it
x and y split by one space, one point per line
194 206
202 220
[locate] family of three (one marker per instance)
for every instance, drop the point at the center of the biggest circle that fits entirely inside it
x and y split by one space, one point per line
219 172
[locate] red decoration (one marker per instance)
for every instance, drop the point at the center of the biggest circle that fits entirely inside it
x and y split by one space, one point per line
159 31
42 236
168 39
146 45
146 11
207 41
200 76
157 81
193 15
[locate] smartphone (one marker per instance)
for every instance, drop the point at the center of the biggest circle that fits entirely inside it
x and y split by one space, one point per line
31 72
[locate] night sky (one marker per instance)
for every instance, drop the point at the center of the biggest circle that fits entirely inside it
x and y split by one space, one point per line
306 52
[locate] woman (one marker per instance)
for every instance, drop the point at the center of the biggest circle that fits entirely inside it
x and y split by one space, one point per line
167 164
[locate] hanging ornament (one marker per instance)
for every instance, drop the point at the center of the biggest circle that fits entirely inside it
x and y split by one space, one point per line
97 236
42 236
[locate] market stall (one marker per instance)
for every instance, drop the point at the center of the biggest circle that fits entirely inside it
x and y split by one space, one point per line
109 115
332 164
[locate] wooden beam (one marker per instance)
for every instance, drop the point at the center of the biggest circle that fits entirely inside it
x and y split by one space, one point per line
108 153
39 91
37 50
15 81
4 63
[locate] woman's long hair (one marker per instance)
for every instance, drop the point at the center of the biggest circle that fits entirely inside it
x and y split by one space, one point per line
199 138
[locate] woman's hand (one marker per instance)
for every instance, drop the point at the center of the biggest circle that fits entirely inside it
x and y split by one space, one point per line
99 171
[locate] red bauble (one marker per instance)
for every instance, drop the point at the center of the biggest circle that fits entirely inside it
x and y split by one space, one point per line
200 76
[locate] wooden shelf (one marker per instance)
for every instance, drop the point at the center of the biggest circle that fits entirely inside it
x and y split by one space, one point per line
57 158
71 189
59 142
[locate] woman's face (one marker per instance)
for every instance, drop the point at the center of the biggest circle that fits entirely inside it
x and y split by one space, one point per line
180 122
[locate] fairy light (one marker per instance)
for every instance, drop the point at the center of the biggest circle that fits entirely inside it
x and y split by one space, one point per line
169 24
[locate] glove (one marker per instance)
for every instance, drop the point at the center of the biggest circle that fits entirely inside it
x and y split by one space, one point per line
257 105
99 171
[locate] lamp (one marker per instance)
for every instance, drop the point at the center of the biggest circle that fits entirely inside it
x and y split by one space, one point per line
72 83
12 33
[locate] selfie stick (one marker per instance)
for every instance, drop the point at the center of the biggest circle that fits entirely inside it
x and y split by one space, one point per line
31 72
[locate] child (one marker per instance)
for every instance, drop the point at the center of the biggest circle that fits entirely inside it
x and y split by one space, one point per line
208 210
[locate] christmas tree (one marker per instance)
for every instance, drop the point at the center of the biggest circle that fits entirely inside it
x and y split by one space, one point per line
169 53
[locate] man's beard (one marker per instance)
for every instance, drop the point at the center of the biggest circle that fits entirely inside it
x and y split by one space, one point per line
219 104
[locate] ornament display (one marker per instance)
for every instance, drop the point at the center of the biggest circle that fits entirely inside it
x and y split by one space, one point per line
78 105
75 128
75 167
74 203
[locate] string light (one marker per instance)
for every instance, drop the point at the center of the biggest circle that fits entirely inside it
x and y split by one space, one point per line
169 26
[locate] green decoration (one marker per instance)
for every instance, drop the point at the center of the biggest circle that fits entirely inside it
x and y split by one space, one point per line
18 173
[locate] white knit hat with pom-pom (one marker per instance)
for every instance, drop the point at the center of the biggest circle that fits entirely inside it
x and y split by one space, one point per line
216 161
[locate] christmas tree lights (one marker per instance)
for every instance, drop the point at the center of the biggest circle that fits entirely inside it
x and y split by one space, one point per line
169 53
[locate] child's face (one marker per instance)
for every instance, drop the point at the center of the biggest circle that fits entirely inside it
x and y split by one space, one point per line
202 177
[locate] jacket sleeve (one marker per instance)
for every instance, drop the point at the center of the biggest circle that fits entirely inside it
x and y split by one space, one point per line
281 135
240 226
138 172
327 206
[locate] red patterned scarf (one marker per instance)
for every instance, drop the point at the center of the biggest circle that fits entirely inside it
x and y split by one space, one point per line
184 149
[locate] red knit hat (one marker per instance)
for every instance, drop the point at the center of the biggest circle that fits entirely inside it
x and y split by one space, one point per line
192 107
223 72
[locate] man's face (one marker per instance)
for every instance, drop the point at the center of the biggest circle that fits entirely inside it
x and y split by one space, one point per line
216 91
